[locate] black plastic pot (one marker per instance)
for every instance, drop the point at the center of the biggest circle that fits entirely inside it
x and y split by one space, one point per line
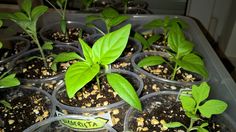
27 103
9 45
163 103
134 79
18 64
55 27
166 83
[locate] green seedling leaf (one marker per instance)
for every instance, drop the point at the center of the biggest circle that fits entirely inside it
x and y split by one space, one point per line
9 81
9 16
200 93
48 45
26 6
173 125
193 63
109 47
204 125
110 13
63 57
154 24
78 75
5 104
124 89
87 51
21 16
66 56
177 42
117 20
151 61
142 40
38 11
212 107
192 115
153 39
1 45
1 23
92 18
181 23
63 26
200 129
188 103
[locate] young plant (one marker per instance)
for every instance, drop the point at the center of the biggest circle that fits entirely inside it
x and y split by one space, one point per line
105 51
166 25
110 17
181 55
62 12
27 19
196 106
146 44
87 3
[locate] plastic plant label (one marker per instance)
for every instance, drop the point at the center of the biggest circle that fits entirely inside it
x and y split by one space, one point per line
185 92
87 122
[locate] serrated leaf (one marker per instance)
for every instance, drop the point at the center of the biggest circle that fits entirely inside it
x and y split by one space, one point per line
47 45
154 24
38 11
201 92
142 40
26 6
87 51
63 26
212 107
193 63
109 13
9 81
191 115
181 23
109 47
117 20
124 89
78 75
54 66
188 103
173 124
151 61
153 39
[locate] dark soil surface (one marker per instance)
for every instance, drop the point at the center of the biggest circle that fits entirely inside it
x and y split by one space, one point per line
91 96
163 110
27 108
73 35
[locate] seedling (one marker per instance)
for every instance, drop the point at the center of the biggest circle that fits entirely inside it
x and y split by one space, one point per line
27 19
146 44
166 25
110 17
87 3
181 55
196 106
62 12
104 51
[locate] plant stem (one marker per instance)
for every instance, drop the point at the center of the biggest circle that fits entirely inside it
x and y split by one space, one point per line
125 7
174 72
35 39
98 82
